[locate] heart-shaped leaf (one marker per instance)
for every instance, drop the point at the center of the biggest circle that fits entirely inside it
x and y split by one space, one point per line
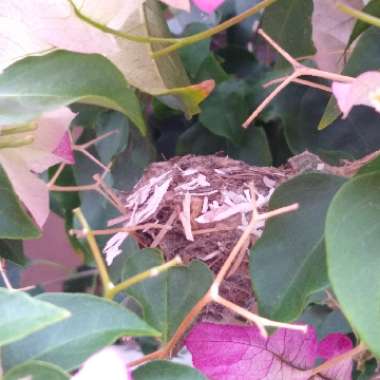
288 262
288 23
167 298
38 84
166 370
15 223
352 243
12 250
93 324
36 370
21 315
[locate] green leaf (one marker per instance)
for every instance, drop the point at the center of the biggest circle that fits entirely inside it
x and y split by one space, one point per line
129 165
365 57
288 23
114 144
13 250
63 202
164 370
254 148
332 112
369 370
287 263
35 370
195 54
372 166
301 109
38 84
352 244
325 320
373 9
167 298
94 324
229 97
21 315
15 223
199 140
211 68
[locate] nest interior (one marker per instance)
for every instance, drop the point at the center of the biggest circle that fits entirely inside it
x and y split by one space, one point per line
206 202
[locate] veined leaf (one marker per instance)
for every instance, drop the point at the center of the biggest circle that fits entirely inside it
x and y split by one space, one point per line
38 84
288 262
352 243
21 315
167 298
15 223
288 23
36 370
94 323
166 370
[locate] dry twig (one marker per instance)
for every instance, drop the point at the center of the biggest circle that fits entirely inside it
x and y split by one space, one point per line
299 70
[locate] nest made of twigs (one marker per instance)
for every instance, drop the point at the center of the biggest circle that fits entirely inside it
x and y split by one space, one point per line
204 204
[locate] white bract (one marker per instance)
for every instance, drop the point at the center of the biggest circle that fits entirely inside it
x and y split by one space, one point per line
35 27
23 163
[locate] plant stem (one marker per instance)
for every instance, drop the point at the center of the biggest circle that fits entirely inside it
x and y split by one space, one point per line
4 276
372 20
56 175
269 98
19 129
176 43
299 70
118 33
182 42
260 322
111 231
152 272
212 293
92 186
103 272
6 142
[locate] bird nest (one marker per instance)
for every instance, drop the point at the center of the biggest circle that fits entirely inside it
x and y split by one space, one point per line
196 207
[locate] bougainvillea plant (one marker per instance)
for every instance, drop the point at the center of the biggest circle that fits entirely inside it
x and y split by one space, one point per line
214 169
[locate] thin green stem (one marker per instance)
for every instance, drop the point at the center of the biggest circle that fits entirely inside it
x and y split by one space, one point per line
6 142
103 272
182 42
19 129
118 33
177 43
152 272
359 14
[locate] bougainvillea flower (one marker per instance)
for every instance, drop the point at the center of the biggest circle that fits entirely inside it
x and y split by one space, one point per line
363 90
39 26
226 352
34 27
207 6
331 31
108 363
21 163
